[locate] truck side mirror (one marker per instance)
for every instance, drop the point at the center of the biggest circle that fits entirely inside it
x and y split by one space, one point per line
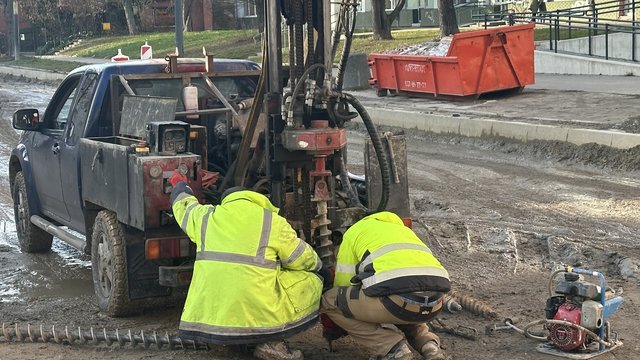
26 119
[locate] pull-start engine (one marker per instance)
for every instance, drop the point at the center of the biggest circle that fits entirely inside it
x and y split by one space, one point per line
577 313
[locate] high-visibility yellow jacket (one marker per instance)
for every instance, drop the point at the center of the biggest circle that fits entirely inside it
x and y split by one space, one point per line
386 257
253 279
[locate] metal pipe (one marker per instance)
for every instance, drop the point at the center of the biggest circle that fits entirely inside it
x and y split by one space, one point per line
606 41
274 55
179 28
16 31
58 232
590 45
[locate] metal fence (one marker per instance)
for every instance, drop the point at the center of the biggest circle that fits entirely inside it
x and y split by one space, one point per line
596 29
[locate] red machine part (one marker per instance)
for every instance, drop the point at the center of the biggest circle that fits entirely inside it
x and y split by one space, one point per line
566 337
156 171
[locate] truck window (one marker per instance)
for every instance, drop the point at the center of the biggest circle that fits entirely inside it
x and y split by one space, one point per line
78 118
57 113
230 87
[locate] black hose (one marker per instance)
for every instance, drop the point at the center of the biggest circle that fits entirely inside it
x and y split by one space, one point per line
352 195
381 154
298 18
349 23
310 34
300 85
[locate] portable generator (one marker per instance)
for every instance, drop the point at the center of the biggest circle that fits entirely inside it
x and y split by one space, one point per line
577 316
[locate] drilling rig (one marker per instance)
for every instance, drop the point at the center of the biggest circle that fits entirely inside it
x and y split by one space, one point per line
305 137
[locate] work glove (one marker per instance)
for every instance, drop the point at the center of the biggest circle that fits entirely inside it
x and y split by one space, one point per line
176 177
331 331
327 274
179 183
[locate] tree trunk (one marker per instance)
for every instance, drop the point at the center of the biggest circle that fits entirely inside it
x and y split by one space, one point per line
130 16
448 21
380 21
260 14
8 16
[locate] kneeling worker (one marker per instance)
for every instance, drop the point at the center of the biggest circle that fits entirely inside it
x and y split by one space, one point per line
254 281
386 275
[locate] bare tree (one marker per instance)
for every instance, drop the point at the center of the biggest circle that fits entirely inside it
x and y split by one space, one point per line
448 20
381 21
132 25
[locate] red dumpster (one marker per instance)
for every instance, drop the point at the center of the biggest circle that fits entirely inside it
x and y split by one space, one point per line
477 62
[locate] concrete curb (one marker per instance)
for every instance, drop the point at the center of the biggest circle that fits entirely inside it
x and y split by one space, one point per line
31 73
547 62
472 127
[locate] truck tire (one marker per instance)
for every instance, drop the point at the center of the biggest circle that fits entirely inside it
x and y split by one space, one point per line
31 238
109 264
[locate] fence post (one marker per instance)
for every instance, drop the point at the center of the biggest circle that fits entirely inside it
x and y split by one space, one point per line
550 34
633 41
590 49
570 27
485 20
557 35
606 41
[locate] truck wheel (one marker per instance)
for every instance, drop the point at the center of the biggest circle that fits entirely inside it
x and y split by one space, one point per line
31 238
109 265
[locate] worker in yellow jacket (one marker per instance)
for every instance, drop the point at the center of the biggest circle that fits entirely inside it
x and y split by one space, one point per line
254 281
386 275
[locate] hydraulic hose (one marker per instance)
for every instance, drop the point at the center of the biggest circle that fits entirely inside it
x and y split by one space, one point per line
352 195
349 23
381 155
551 278
300 85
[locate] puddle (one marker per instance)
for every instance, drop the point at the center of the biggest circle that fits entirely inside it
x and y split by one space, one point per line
63 272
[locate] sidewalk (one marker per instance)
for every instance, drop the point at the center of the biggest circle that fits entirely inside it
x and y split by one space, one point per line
576 109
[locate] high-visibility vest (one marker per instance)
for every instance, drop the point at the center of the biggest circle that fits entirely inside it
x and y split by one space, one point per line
386 257
253 279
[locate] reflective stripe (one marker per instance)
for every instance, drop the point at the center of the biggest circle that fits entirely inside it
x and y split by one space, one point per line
264 234
203 229
396 273
387 249
237 259
185 218
181 196
318 264
302 246
346 268
236 330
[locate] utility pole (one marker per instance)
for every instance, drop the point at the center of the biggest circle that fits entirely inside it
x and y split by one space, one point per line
179 28
16 32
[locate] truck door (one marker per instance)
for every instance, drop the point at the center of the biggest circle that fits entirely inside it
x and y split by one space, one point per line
70 149
46 150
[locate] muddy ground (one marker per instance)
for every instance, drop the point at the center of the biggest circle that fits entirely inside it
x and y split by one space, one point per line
500 216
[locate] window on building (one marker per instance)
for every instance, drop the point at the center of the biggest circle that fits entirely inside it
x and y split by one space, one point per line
250 8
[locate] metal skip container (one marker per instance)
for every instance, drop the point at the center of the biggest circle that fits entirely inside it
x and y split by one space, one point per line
477 62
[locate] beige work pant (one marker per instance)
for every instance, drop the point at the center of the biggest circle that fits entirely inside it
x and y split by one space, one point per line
367 315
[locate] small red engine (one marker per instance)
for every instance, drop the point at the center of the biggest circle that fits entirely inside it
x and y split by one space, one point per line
566 337
572 303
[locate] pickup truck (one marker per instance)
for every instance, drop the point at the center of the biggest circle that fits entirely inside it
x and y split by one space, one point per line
97 163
